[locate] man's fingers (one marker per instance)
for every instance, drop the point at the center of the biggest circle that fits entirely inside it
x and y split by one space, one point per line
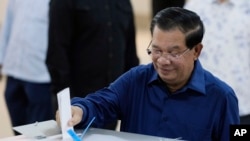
74 121
57 116
77 114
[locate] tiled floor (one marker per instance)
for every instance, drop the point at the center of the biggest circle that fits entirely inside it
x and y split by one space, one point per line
143 38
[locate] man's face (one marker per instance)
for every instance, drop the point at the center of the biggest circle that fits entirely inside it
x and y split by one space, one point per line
172 59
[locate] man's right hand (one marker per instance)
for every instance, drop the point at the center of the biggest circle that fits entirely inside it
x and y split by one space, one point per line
77 115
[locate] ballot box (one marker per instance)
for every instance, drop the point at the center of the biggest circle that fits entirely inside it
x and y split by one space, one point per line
49 131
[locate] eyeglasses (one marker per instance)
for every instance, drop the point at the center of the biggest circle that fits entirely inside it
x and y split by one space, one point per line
156 53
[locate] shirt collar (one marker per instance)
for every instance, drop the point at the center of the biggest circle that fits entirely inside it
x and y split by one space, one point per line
154 76
196 82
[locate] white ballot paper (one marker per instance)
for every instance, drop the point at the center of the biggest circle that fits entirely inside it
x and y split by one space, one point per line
64 107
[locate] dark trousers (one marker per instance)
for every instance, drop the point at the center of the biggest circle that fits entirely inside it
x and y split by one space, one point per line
28 102
158 5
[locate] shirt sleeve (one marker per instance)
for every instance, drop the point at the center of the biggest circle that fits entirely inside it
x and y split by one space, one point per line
107 104
230 116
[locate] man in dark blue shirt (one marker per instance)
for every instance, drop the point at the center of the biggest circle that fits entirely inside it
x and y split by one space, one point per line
173 96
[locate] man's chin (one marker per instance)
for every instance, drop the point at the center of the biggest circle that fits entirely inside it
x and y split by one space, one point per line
167 78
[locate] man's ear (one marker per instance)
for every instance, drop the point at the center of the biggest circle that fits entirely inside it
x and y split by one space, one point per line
197 50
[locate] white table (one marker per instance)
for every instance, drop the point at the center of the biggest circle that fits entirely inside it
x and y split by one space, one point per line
51 132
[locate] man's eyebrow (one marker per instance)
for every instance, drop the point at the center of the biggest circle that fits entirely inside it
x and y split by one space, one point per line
175 47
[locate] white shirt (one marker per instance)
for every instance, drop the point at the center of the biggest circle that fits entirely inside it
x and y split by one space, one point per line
226 44
24 39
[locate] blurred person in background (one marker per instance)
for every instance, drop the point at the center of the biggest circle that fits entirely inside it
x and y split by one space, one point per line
23 47
91 43
227 44
158 5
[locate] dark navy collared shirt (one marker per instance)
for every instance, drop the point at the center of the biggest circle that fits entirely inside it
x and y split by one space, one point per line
200 111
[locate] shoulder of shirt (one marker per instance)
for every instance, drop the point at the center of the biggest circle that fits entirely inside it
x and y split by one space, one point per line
217 84
142 71
143 68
